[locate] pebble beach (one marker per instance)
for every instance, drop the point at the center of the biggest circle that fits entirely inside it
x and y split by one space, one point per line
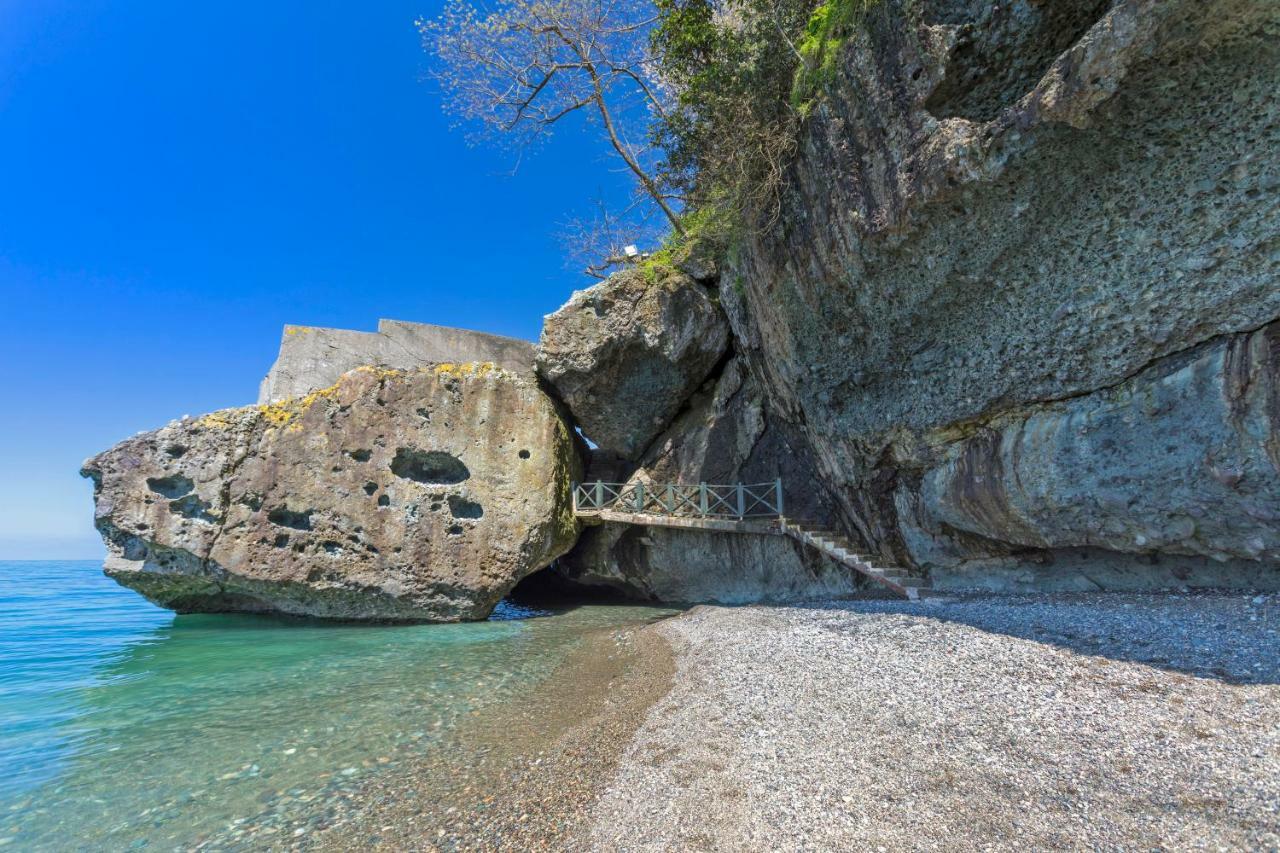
1103 722
1047 722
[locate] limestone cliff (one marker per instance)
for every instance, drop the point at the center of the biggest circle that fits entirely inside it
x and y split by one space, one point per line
1011 298
1013 325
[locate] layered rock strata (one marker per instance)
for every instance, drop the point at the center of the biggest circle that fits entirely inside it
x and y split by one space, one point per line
392 495
1013 282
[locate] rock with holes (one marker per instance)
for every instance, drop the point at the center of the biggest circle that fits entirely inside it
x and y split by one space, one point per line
393 495
997 209
1181 460
626 354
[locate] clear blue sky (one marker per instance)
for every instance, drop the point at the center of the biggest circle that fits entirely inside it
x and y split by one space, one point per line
177 181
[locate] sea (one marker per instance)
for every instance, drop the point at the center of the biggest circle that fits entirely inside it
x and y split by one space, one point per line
126 726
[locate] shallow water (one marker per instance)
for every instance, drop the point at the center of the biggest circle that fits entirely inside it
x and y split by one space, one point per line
123 725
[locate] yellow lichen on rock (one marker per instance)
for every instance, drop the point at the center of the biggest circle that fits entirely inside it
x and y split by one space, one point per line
378 371
283 412
469 368
217 420
347 502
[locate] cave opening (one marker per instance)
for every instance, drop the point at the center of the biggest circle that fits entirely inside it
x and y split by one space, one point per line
548 589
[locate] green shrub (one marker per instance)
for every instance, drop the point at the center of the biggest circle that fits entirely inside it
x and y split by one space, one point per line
824 36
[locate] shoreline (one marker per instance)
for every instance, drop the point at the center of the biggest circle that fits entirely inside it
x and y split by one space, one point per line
522 776
1106 721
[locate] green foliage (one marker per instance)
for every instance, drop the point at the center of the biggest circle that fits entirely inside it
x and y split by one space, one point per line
706 230
731 64
718 87
745 74
824 35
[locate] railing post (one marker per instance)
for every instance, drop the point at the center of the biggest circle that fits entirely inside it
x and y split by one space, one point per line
639 497
599 495
742 503
702 498
777 491
573 490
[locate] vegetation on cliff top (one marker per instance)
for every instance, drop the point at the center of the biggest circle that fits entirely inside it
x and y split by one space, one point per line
701 100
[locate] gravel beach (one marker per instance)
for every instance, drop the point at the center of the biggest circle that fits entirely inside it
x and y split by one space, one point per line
1102 721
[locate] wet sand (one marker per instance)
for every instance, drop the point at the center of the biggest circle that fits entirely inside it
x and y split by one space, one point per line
517 778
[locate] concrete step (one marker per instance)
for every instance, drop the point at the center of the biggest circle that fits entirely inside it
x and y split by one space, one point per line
906 581
834 544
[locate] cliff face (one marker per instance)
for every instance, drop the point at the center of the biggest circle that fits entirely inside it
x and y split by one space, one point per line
1018 296
1017 326
724 435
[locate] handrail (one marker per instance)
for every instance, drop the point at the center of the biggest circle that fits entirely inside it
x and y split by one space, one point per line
696 500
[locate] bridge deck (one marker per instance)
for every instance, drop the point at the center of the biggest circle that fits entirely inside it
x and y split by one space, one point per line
768 527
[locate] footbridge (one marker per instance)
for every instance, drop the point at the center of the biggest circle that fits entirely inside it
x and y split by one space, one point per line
733 508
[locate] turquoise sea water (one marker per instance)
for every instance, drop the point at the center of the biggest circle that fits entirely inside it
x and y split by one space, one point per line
125 726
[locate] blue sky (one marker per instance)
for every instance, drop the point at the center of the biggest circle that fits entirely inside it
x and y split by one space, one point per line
177 181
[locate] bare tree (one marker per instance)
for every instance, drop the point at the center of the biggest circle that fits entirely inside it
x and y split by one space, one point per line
526 65
599 242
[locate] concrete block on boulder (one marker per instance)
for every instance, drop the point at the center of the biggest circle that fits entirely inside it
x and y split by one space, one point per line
312 358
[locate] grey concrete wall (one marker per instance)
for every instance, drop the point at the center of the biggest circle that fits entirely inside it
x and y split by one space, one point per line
312 357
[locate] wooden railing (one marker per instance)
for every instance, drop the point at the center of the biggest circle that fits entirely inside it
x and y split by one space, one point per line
686 500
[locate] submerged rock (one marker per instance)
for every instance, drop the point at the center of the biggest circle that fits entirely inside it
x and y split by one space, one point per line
626 354
392 495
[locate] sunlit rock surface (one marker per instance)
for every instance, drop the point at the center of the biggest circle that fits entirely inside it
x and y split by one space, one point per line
626 354
397 495
999 216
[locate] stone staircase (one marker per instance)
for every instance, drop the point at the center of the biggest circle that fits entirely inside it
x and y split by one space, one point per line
840 549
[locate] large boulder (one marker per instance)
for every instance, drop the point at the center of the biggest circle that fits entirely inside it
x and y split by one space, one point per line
392 495
626 354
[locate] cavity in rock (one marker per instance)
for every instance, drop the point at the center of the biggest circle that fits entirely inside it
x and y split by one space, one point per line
192 507
460 507
171 487
286 517
428 466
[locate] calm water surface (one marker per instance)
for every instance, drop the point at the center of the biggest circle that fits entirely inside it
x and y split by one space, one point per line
125 726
